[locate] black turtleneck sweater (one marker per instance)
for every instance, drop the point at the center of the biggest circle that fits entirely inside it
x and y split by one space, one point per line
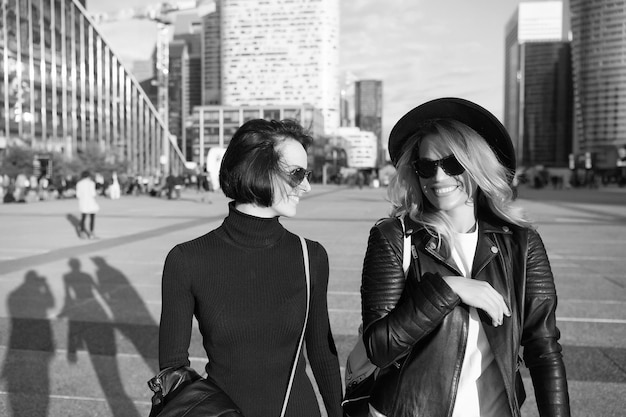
245 284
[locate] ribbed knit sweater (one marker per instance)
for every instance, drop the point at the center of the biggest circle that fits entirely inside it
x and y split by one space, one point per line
245 284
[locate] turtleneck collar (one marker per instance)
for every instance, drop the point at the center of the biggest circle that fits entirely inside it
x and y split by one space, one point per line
251 231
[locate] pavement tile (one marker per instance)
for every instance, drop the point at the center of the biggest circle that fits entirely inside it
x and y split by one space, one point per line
92 356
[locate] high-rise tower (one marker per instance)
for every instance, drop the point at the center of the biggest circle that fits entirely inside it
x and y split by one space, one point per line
279 52
537 95
368 105
599 67
211 56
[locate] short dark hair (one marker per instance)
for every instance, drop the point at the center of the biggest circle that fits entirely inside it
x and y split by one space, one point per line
251 161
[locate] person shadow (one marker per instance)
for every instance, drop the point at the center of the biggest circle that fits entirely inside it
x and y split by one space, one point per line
90 328
75 222
26 368
130 313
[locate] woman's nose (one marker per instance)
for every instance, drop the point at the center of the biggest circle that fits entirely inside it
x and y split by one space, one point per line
440 174
305 185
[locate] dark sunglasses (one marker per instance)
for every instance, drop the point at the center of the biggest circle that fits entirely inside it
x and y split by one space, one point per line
426 168
298 175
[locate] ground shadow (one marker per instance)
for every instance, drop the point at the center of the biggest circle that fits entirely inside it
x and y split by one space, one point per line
27 374
588 197
130 313
90 328
75 222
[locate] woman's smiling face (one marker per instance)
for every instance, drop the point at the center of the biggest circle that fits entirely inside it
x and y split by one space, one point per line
445 192
286 196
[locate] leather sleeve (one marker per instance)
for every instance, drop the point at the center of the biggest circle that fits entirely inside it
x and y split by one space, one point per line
542 351
395 317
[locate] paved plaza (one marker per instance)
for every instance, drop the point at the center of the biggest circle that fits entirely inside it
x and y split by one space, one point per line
79 318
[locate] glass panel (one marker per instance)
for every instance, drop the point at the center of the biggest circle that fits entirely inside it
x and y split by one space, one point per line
231 116
271 114
250 114
211 117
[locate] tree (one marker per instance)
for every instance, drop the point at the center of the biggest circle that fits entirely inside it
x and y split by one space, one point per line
17 160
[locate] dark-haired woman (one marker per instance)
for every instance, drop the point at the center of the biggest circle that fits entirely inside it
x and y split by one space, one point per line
244 282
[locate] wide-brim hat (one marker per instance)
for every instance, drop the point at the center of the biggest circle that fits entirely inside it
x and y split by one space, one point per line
464 111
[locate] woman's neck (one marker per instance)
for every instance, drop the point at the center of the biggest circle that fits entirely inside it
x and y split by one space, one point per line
463 219
256 211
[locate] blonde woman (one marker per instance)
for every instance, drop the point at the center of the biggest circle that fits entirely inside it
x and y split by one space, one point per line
449 336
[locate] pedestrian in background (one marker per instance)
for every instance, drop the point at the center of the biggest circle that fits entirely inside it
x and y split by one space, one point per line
87 204
114 188
245 283
479 287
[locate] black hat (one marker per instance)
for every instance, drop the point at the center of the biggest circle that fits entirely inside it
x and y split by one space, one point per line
464 111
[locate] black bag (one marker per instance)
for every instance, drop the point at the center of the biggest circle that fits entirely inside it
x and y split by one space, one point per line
182 392
361 374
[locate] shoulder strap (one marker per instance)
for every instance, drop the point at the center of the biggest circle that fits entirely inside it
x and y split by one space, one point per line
305 254
400 242
406 250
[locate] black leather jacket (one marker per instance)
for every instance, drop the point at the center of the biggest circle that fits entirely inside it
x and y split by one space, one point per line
417 329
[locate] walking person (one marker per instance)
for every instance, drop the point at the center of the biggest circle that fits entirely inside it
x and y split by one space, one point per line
448 336
87 204
114 189
244 282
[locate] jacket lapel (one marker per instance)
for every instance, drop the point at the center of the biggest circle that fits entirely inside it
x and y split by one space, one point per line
487 267
429 246
486 250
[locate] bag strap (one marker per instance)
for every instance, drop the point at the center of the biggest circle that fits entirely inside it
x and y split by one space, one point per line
406 252
305 254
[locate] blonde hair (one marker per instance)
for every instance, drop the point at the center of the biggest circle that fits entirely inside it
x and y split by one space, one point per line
481 166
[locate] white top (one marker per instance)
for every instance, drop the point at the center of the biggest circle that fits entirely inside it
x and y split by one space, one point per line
481 391
86 195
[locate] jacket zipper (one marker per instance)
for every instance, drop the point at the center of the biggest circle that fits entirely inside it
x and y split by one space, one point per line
457 374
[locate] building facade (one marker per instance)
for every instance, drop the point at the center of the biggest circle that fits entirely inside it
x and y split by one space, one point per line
368 103
361 147
275 52
185 84
538 87
63 89
211 56
346 102
213 126
599 69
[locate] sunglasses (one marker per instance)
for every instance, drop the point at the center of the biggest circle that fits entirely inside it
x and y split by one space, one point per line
426 168
298 175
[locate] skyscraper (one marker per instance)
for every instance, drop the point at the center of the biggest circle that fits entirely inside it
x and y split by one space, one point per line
178 48
346 106
368 104
211 56
537 108
187 80
599 67
277 52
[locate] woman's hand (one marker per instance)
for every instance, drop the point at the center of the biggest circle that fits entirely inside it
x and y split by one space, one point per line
481 295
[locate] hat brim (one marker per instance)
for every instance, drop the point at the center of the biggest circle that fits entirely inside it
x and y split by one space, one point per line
464 111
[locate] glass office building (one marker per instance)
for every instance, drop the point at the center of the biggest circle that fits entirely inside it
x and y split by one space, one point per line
213 126
63 89
368 109
538 87
273 53
599 67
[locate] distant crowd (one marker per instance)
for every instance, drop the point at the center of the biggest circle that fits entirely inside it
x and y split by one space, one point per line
26 189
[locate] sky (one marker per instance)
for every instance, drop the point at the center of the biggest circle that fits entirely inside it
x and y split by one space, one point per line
420 49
